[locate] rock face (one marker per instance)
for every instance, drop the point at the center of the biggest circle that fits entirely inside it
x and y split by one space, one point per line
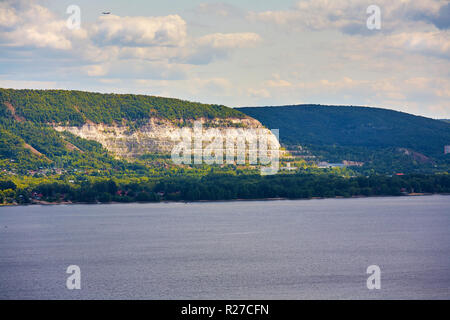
161 136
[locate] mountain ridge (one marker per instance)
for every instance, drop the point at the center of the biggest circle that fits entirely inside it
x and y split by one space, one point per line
40 125
85 129
358 126
76 107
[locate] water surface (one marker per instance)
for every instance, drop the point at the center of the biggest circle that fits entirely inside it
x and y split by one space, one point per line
305 249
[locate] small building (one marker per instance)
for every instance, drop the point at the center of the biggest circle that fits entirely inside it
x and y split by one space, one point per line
353 163
288 167
324 165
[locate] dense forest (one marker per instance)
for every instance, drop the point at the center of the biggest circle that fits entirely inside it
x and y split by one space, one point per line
385 140
354 127
28 146
75 107
28 142
222 187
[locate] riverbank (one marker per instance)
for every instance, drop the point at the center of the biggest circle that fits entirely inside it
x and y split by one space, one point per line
47 203
213 187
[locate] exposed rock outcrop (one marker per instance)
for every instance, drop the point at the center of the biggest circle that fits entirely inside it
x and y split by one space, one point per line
161 135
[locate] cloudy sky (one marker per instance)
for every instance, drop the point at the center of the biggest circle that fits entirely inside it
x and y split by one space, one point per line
237 53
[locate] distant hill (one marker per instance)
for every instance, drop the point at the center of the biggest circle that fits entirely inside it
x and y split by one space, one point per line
353 126
28 121
59 128
385 140
75 107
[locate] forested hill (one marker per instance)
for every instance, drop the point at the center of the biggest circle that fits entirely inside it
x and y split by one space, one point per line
75 107
28 139
349 126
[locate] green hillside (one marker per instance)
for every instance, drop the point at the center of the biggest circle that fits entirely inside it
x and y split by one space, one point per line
38 163
385 139
331 133
27 140
354 127
75 107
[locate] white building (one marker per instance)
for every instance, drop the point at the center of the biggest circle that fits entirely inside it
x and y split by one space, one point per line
288 167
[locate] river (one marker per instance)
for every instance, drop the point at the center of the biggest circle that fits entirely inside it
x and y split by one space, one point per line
302 249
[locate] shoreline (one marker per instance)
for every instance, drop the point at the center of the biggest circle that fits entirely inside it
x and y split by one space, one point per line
46 203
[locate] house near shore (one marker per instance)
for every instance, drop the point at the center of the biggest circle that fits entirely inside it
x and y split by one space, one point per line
324 165
288 167
344 164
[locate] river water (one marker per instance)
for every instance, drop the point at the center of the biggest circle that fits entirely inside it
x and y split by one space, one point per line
305 249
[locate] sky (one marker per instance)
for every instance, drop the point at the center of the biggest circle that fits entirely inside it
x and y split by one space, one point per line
235 53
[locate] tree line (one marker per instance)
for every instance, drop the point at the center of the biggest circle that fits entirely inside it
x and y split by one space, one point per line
222 187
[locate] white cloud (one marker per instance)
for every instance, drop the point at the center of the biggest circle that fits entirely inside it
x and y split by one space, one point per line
218 46
113 45
258 93
277 82
419 95
433 43
26 84
218 9
200 50
140 31
349 16
212 84
151 53
8 15
27 24
229 40
96 70
405 65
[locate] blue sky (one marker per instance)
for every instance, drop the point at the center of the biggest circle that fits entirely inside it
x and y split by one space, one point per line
236 53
